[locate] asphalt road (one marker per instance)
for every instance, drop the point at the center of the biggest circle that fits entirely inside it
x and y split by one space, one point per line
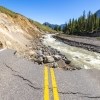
19 79
78 85
23 80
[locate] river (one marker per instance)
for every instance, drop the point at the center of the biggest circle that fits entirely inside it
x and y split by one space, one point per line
79 57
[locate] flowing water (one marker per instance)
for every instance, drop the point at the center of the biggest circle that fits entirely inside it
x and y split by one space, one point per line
79 57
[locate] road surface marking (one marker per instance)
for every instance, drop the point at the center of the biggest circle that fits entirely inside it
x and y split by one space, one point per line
46 84
54 85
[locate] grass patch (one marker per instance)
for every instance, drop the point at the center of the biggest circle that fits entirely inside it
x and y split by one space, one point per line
37 24
8 12
42 27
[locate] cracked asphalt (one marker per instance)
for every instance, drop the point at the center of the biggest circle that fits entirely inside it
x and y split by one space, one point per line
19 79
79 84
23 80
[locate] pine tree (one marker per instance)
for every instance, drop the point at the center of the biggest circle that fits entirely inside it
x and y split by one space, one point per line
65 29
59 28
84 25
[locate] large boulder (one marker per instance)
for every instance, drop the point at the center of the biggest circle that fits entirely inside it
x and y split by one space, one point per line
39 52
40 60
57 57
48 59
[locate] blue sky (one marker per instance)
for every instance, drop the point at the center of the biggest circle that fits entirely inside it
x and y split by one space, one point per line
53 11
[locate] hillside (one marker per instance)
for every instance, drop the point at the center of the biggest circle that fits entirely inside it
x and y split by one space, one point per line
55 26
16 31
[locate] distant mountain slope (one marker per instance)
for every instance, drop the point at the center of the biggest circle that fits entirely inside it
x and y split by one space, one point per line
16 30
50 25
54 25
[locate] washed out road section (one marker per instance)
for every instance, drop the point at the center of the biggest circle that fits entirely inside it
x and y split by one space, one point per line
23 80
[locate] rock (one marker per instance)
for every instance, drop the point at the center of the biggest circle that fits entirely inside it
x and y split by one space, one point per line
40 60
78 68
48 59
33 59
45 53
67 61
57 57
55 65
31 53
39 52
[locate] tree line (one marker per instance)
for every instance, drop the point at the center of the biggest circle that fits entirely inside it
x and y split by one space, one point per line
84 25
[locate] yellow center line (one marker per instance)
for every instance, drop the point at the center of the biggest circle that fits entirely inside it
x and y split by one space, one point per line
46 84
54 84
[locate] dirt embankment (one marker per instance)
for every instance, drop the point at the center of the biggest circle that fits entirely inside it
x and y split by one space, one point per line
89 43
17 31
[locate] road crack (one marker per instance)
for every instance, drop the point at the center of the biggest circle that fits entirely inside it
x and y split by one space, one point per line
9 68
37 88
82 94
96 97
73 93
29 82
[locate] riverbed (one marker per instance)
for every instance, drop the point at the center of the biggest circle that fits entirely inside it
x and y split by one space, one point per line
79 57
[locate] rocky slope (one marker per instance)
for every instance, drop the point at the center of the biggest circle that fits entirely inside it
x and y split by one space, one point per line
17 31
